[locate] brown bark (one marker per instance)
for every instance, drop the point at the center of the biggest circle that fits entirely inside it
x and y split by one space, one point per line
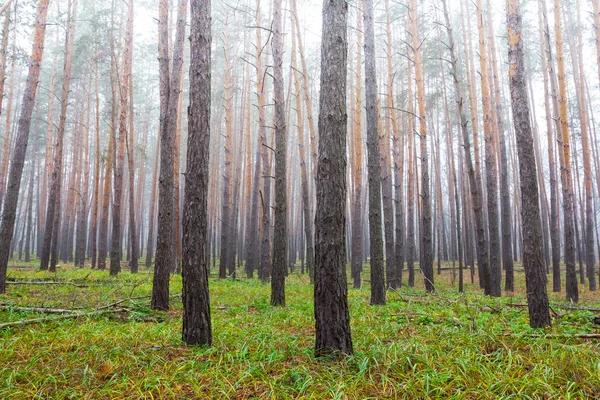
196 314
7 224
357 158
410 220
332 317
554 217
426 244
533 257
565 152
491 282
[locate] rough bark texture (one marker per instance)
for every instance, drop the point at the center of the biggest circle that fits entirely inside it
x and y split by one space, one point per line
7 224
332 317
374 167
170 86
533 257
196 307
280 229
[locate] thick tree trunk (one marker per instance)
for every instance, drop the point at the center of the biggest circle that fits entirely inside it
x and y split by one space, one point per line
332 317
533 257
7 224
196 307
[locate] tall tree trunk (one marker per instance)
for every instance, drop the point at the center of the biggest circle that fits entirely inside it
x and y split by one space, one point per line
332 317
357 158
115 253
280 229
133 230
476 195
493 281
304 174
170 89
554 217
196 308
265 195
426 244
227 161
410 221
374 167
565 151
54 198
533 257
7 224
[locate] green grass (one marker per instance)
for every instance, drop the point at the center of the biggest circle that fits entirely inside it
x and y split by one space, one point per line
417 346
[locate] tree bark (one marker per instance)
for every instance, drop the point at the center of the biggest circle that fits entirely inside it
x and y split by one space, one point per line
533 257
280 229
332 317
7 224
196 307
170 88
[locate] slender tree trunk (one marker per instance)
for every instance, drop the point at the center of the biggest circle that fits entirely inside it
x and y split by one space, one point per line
304 174
280 230
7 224
426 243
374 167
565 151
170 89
152 208
493 281
115 253
49 253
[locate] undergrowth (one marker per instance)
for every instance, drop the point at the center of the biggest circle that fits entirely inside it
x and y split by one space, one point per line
443 345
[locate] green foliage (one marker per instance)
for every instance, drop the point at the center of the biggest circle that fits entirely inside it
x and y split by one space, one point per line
441 346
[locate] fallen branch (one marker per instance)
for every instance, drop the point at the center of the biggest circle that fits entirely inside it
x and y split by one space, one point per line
44 310
45 283
62 317
558 335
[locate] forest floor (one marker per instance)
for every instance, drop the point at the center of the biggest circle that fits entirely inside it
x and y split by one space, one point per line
443 345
